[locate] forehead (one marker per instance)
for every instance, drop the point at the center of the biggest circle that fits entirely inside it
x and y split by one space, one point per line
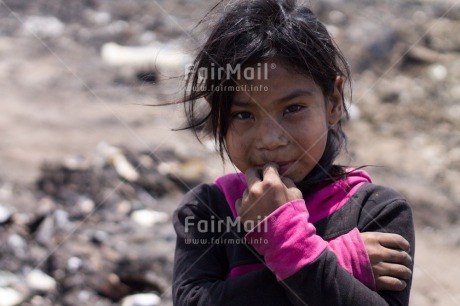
276 83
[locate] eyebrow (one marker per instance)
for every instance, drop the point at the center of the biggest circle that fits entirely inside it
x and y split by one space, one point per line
292 95
296 93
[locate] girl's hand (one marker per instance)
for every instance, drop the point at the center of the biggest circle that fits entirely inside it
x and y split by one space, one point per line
266 192
390 259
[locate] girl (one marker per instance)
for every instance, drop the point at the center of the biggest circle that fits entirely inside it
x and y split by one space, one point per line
292 228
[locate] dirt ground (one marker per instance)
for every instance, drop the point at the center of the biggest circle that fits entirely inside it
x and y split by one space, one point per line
60 100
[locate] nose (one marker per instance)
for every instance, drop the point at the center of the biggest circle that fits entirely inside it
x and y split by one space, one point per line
270 135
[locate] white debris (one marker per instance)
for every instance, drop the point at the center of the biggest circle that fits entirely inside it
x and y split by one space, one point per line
98 17
160 56
5 214
438 72
74 264
191 170
85 205
7 278
142 299
37 280
148 218
10 297
61 218
354 112
115 157
18 244
44 26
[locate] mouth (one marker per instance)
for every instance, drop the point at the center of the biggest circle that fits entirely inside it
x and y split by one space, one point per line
283 167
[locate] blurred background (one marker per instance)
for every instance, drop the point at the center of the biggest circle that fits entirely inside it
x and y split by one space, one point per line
90 174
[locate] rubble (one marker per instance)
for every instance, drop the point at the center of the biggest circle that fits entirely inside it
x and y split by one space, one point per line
97 234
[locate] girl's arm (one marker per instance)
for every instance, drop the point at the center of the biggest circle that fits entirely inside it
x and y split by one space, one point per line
369 257
200 263
310 272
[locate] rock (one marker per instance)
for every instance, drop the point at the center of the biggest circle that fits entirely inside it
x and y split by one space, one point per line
18 245
425 55
188 172
85 205
10 297
141 299
438 72
115 157
74 264
99 237
5 215
76 163
44 26
37 280
165 57
45 231
124 168
38 300
98 17
61 218
354 112
109 285
148 218
7 279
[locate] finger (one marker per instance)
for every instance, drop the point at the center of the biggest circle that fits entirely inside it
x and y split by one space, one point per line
252 176
393 270
245 194
394 241
270 172
238 207
397 257
390 283
288 182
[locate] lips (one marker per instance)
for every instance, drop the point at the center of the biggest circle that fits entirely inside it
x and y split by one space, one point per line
283 167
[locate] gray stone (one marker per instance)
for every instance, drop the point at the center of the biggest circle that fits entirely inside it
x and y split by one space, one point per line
37 280
74 264
10 297
7 279
5 215
142 299
148 218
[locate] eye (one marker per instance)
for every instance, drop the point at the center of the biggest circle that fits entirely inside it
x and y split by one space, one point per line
293 108
243 115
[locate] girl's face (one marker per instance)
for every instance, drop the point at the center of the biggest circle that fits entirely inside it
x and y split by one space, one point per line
284 121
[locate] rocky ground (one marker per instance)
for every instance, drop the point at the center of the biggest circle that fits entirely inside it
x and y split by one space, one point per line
88 175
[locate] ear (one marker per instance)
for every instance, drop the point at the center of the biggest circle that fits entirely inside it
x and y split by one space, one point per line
335 103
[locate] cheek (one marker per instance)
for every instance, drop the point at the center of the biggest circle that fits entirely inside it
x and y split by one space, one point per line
236 147
313 143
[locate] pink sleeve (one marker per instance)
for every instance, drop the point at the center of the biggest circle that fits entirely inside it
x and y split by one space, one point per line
352 255
289 242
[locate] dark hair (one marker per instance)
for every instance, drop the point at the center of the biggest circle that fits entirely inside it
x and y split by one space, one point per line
260 31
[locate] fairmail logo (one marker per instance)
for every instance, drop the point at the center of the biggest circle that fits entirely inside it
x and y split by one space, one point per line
236 72
218 225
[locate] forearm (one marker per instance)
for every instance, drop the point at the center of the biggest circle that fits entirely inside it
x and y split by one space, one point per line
303 264
202 272
324 282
